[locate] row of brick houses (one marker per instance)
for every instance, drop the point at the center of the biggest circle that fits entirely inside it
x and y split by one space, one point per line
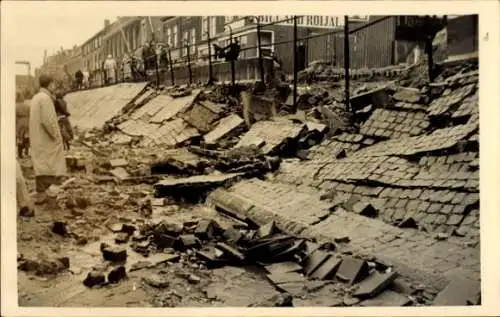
320 38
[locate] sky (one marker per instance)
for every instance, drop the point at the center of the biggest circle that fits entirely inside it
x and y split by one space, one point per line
49 31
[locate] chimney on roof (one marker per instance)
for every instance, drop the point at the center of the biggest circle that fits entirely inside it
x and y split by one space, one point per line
107 23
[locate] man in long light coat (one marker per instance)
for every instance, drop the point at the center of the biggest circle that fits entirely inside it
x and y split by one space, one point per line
47 150
110 67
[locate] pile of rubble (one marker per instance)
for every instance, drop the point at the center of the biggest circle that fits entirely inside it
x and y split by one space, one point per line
325 71
407 157
290 263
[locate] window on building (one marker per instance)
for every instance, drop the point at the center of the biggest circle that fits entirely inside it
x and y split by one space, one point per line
169 37
205 25
175 36
185 39
266 41
144 32
192 41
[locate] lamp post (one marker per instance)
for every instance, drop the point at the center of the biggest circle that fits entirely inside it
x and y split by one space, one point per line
259 44
209 52
233 79
188 51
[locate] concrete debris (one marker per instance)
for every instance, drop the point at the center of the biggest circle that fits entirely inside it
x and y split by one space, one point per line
223 128
190 187
157 281
388 299
458 292
352 270
278 300
375 284
44 266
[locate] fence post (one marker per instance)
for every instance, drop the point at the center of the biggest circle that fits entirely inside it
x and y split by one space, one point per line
188 49
346 63
157 71
171 67
209 52
261 61
295 66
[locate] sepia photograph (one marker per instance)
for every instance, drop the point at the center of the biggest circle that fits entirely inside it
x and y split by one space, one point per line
247 160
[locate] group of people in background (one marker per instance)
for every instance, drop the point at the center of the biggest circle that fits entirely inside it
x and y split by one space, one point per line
44 132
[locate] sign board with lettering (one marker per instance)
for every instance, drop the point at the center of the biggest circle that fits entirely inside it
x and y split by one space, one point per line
316 21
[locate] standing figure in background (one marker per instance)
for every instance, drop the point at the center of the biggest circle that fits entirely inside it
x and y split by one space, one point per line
145 56
22 123
110 68
63 118
79 79
86 78
47 149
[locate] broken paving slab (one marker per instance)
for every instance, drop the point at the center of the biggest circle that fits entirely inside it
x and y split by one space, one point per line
199 181
315 260
152 107
440 139
283 267
281 278
118 163
374 284
231 203
352 270
225 126
275 134
458 291
120 173
178 161
386 123
411 95
176 106
328 269
93 108
200 117
387 299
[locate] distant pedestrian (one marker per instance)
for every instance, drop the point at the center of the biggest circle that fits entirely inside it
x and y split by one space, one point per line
110 68
22 123
145 56
79 79
47 149
86 78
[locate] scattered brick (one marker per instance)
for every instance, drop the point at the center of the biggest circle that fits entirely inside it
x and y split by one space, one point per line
122 237
205 229
113 254
117 274
186 241
94 278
